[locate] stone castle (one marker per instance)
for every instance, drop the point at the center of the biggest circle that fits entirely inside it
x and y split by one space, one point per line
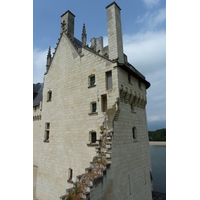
90 137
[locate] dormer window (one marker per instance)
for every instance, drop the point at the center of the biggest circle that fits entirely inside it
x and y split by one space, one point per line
49 95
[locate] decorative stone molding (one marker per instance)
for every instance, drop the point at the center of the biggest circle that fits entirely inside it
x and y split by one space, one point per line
127 96
37 117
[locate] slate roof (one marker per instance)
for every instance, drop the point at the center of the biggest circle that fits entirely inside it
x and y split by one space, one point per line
130 69
77 42
37 93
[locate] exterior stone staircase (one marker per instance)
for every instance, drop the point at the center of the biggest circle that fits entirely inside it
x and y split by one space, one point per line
101 162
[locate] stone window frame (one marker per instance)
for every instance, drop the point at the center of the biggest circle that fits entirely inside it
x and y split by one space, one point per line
134 134
92 112
90 84
91 142
49 95
47 132
107 85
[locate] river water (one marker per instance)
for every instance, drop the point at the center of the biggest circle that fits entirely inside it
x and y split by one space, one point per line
158 162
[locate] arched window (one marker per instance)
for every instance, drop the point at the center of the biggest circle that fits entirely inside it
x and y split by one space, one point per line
134 133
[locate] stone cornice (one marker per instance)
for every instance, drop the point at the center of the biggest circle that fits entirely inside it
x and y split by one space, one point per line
129 97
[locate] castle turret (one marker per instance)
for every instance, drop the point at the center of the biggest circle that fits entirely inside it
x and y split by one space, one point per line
48 59
115 44
84 36
67 23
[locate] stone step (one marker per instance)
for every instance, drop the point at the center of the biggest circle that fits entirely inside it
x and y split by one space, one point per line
109 138
108 146
108 155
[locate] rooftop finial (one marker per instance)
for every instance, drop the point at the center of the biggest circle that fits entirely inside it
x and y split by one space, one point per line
48 59
49 52
84 36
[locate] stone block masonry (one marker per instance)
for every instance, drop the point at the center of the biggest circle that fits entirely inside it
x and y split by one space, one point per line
90 128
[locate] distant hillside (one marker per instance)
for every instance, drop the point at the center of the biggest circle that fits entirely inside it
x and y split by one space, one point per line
158 135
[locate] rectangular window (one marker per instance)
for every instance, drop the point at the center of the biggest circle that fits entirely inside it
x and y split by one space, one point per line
109 80
92 80
49 95
103 103
94 107
47 132
93 137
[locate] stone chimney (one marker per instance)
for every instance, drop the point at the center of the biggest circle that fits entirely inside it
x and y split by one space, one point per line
115 43
67 23
97 44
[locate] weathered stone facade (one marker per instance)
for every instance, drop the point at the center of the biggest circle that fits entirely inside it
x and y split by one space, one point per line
90 126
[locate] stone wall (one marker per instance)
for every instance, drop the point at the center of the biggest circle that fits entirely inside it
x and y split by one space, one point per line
70 116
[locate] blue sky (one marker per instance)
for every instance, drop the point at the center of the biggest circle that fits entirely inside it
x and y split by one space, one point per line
144 39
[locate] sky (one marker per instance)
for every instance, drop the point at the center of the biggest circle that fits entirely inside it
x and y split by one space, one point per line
144 40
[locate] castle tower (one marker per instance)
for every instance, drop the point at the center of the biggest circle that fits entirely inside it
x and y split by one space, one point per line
115 44
67 23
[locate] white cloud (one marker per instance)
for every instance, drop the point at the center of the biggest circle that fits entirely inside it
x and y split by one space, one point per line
152 19
39 64
151 3
147 53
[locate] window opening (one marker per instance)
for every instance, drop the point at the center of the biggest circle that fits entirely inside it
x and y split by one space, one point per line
92 80
103 103
47 132
94 107
93 137
49 96
132 107
134 133
109 80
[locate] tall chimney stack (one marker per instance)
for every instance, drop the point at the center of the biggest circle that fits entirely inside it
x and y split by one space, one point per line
115 43
67 23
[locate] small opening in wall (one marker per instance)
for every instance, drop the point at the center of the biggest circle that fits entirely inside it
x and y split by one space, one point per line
103 103
109 80
134 133
70 173
47 132
93 137
94 106
49 95
132 107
